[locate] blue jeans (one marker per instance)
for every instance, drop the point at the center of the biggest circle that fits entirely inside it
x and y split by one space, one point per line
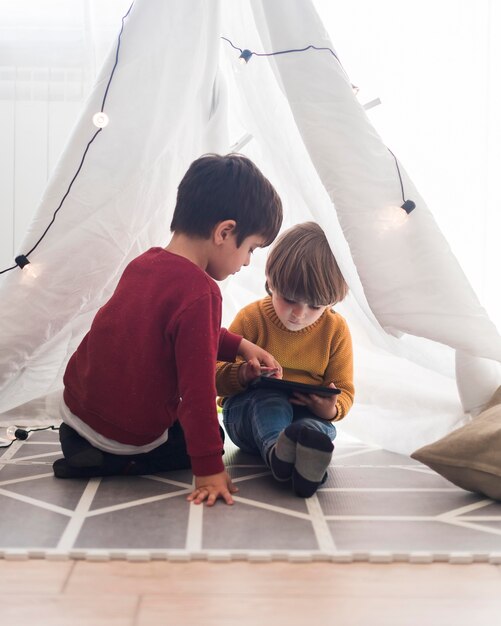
254 419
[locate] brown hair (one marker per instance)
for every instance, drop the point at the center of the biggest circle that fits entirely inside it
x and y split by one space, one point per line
301 267
227 187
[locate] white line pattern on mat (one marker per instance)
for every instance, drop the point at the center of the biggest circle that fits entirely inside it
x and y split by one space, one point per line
195 528
320 528
352 499
70 534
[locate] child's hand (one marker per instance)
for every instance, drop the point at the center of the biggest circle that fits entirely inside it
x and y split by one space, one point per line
250 370
211 488
254 354
322 406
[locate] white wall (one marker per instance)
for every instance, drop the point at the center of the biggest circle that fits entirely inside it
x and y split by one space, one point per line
33 132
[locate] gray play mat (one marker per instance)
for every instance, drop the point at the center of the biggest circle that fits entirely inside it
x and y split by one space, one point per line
375 506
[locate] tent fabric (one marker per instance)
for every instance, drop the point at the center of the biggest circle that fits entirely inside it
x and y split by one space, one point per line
177 92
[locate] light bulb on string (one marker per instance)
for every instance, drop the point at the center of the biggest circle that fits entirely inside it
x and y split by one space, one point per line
29 270
408 206
11 433
14 432
393 217
245 57
100 119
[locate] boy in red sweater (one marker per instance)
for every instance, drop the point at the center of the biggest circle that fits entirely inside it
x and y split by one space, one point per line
139 392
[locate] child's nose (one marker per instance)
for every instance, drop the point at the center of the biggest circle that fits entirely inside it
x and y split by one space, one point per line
299 310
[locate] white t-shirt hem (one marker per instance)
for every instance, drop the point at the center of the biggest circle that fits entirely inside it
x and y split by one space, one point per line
103 443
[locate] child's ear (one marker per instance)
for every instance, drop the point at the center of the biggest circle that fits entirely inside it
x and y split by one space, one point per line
223 230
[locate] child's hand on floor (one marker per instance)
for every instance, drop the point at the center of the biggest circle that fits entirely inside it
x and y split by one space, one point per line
322 406
211 488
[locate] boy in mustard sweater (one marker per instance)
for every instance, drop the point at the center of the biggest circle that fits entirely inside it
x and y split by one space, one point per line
295 323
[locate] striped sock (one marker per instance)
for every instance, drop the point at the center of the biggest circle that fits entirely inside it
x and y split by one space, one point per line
313 455
282 455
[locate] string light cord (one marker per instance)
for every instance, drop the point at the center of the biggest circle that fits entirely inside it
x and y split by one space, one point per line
21 434
246 54
399 175
246 57
8 269
407 205
27 254
271 54
66 194
119 42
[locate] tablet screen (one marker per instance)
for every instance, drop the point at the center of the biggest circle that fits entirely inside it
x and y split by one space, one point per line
288 386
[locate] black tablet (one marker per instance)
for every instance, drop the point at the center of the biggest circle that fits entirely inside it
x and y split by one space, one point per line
289 387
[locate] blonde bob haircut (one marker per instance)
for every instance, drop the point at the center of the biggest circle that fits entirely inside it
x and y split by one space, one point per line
301 267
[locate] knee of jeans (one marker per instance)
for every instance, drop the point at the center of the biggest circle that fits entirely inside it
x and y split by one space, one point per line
235 402
323 426
270 399
246 401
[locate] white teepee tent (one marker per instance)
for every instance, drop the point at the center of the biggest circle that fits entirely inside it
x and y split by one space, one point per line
177 92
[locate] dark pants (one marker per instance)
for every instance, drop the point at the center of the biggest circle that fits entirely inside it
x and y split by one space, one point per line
169 456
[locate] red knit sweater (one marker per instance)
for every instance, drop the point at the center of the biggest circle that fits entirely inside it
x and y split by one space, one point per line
150 358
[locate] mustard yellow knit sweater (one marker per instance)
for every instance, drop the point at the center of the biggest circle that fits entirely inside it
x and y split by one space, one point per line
318 355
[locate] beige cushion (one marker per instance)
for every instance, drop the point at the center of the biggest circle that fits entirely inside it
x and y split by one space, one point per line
470 457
